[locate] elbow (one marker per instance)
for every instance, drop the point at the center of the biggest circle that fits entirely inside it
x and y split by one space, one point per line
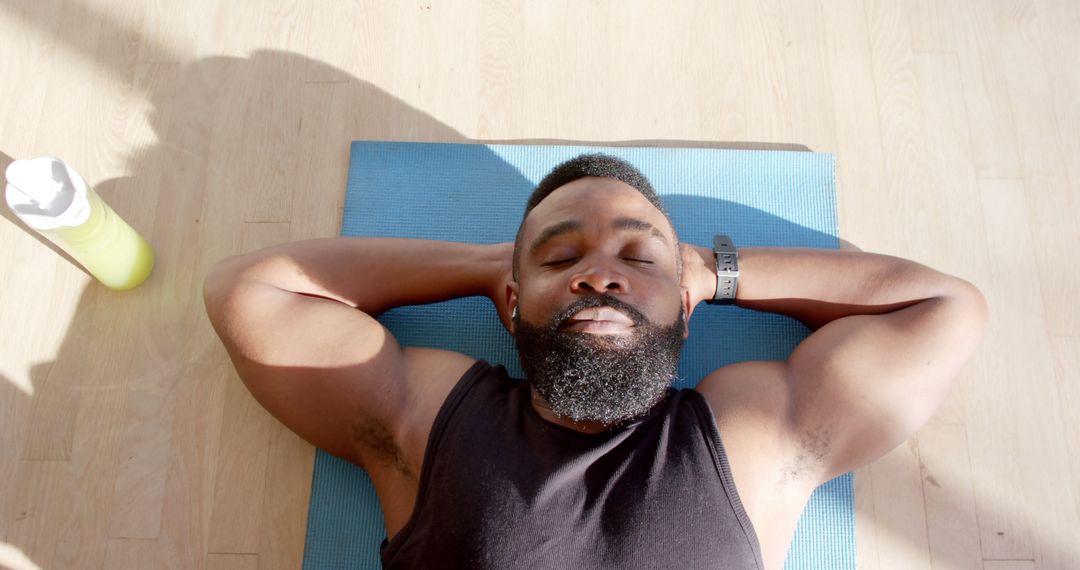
971 310
220 282
976 302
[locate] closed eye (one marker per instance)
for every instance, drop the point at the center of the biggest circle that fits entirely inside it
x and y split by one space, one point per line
638 260
558 262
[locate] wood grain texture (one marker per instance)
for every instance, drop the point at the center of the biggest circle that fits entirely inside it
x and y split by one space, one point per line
285 503
806 67
1067 373
929 21
232 562
1058 26
866 526
860 164
976 35
1053 210
126 439
1025 510
1009 565
132 553
761 38
899 509
951 522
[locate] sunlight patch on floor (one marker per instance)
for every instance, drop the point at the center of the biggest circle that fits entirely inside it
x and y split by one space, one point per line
20 382
12 557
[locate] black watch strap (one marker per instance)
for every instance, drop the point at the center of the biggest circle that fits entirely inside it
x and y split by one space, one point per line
727 270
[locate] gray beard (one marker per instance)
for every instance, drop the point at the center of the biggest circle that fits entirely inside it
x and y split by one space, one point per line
607 379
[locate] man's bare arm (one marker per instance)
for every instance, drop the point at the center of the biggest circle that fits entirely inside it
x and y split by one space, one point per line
298 322
818 286
375 274
890 337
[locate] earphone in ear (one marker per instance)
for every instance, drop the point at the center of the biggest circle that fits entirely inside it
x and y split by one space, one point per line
514 315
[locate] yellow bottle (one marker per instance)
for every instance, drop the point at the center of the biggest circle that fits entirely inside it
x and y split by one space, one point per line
50 197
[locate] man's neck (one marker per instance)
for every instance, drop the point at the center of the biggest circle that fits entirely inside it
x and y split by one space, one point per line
544 410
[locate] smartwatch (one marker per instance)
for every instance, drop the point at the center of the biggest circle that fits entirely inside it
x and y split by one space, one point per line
727 271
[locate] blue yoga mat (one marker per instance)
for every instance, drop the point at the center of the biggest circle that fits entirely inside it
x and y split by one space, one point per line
477 193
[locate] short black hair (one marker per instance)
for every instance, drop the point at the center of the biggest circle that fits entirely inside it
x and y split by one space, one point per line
600 165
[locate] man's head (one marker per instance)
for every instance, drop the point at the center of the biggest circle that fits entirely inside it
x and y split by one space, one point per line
600 315
589 165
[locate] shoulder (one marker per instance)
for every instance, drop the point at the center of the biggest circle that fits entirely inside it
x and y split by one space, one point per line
428 376
752 404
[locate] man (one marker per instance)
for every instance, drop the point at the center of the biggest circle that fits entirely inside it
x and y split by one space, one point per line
594 462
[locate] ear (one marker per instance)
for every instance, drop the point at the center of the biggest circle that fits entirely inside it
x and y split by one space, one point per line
688 309
510 302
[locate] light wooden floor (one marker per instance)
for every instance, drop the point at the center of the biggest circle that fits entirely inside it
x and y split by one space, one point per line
219 127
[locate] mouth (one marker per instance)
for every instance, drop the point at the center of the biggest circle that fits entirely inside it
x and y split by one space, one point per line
600 321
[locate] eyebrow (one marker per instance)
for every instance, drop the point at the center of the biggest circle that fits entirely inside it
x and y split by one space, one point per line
571 226
634 224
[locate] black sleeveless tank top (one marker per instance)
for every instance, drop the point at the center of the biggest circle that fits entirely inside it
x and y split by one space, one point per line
501 487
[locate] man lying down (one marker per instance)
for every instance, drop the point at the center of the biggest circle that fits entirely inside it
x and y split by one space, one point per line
595 461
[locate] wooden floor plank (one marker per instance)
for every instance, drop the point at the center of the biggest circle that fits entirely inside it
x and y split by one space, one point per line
930 25
189 490
1024 510
866 526
40 493
989 110
316 212
1049 197
30 31
100 418
860 165
903 191
232 561
1066 352
761 35
952 524
266 160
1009 565
1058 23
148 431
285 500
14 407
948 156
52 425
899 511
806 71
132 553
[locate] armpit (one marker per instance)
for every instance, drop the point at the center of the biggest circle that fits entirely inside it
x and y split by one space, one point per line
813 448
375 443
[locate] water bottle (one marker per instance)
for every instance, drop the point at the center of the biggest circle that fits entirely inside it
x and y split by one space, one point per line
54 200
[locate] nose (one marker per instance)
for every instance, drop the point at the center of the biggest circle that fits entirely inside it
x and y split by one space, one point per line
598 277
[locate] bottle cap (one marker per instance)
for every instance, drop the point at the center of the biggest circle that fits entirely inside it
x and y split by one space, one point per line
46 193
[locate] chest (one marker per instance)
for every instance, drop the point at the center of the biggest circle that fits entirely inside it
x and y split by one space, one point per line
509 497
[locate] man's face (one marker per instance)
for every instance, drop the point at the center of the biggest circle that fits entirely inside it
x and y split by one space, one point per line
600 309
